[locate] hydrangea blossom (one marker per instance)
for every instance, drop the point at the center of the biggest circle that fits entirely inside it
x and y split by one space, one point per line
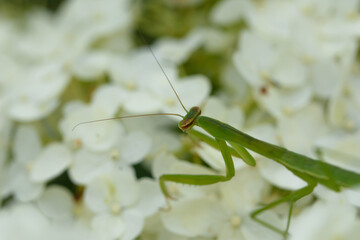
34 165
36 95
120 203
286 73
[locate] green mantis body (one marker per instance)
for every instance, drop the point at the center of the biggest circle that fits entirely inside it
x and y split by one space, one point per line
310 170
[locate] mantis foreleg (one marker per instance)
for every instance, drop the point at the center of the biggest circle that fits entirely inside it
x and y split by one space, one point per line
202 179
236 150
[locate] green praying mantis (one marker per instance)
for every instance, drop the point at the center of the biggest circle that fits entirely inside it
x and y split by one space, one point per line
233 142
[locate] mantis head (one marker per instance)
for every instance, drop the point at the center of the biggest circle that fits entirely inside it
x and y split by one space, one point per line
190 118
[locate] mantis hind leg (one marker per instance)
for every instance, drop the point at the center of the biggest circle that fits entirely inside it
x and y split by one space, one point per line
291 198
201 179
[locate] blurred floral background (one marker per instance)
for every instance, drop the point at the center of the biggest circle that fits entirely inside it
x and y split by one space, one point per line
283 71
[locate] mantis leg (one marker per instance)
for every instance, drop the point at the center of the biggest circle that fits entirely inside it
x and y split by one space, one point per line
292 198
236 150
201 179
245 155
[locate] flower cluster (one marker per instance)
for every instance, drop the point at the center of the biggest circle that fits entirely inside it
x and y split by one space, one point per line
285 72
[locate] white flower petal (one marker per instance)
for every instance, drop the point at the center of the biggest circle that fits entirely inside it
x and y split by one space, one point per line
91 65
290 72
194 218
299 132
292 101
31 111
255 57
134 147
108 226
25 189
126 186
57 203
27 144
142 102
230 11
279 176
178 51
23 221
88 165
112 191
98 136
326 78
151 197
52 161
134 224
97 195
246 196
109 97
324 220
101 137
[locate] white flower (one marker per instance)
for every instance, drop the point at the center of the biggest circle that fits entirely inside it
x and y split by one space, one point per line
109 97
28 218
101 18
149 91
299 132
88 165
33 165
60 45
221 211
37 94
276 76
143 86
161 130
345 105
128 149
326 220
34 225
91 65
239 197
118 202
57 203
199 217
27 147
95 136
229 11
341 149
154 229
51 162
177 51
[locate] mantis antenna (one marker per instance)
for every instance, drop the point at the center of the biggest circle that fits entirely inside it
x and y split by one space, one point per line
162 69
131 116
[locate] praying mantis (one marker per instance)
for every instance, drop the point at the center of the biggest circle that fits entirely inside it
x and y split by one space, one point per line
233 142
